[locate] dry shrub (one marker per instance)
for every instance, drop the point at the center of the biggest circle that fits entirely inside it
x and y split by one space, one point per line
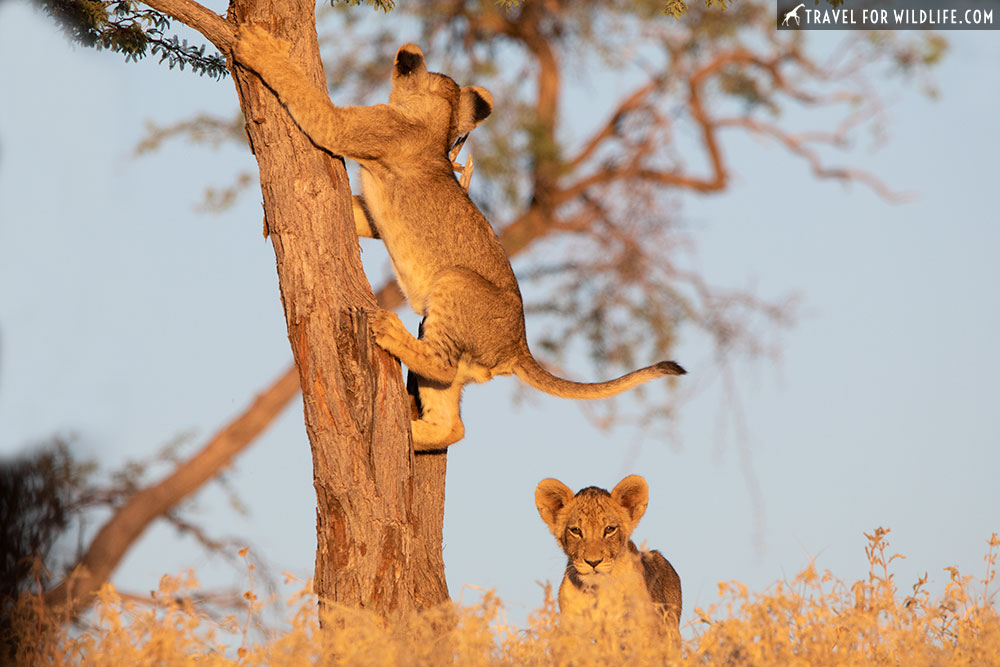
820 620
816 619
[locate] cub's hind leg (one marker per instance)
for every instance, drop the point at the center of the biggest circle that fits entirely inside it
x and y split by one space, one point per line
467 318
440 422
417 355
472 322
470 332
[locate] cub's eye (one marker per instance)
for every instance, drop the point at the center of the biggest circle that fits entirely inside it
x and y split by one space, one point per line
575 532
610 530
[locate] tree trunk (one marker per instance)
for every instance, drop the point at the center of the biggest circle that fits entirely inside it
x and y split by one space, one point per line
429 586
377 543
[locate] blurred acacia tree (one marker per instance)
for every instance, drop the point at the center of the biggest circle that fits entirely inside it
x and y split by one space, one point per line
587 198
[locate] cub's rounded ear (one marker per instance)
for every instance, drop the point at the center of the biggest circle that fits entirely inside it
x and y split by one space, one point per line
632 494
474 106
551 498
409 60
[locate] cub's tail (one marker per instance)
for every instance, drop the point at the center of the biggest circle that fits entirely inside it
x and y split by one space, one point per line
528 370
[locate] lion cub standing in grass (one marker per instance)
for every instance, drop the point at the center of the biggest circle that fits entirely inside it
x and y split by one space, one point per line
606 573
447 259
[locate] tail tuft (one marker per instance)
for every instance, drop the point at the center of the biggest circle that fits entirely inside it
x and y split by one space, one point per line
670 368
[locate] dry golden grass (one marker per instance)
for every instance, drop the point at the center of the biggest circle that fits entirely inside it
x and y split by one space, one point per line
816 619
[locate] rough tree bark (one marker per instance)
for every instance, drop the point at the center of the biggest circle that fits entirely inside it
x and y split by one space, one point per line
379 512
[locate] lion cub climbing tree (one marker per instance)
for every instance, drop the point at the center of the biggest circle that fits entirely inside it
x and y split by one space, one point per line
447 258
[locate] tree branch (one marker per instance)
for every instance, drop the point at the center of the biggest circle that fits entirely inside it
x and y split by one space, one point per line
610 128
198 17
126 525
797 145
674 178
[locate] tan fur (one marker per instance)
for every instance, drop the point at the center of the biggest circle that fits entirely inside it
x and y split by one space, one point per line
606 573
447 259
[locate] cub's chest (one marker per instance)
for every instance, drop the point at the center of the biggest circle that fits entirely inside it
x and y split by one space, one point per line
406 224
377 187
617 592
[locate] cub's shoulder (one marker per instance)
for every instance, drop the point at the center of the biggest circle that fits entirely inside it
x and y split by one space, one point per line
662 581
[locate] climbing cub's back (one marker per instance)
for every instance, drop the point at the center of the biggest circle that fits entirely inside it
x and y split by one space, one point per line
606 573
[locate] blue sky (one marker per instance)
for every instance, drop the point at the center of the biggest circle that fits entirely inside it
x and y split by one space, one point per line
128 318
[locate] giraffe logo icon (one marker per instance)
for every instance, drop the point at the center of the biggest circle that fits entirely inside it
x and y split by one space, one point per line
794 14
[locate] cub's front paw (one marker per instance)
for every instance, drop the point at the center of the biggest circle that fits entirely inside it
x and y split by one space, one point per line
386 327
254 45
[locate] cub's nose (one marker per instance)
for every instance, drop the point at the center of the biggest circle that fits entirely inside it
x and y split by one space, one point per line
593 563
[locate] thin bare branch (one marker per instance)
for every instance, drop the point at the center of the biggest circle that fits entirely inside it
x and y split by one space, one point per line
202 128
610 128
126 525
672 178
797 145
